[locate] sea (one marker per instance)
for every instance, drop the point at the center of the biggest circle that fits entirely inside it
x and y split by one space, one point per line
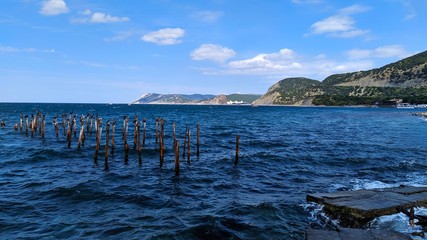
51 191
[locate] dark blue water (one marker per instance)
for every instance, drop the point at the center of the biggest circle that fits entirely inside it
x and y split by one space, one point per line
50 191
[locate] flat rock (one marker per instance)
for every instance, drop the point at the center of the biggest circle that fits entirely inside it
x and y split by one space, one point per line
356 208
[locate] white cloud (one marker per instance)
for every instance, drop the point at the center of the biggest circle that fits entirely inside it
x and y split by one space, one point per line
54 7
341 25
387 51
208 16
24 50
283 60
212 52
287 63
165 36
98 17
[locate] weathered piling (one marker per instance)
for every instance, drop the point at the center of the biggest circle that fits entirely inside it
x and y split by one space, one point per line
32 125
125 138
198 141
176 147
26 124
81 140
75 125
107 137
237 150
135 134
55 124
98 131
112 136
69 135
42 124
36 121
87 122
21 123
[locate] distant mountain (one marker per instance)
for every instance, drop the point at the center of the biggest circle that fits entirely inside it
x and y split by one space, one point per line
405 79
155 98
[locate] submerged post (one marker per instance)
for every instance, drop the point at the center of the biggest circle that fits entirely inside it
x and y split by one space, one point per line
237 150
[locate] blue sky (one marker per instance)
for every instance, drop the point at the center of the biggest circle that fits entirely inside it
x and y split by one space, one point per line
101 51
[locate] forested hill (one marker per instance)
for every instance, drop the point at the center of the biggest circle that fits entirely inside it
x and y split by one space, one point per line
405 79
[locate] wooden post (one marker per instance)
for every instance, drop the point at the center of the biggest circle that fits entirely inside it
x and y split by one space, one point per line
198 141
32 125
41 122
176 147
112 136
75 125
55 124
43 125
237 150
69 135
21 123
26 124
125 138
36 121
107 137
81 140
98 130
189 146
135 122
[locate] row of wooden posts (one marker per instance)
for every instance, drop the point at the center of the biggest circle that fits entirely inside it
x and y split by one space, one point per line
69 126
